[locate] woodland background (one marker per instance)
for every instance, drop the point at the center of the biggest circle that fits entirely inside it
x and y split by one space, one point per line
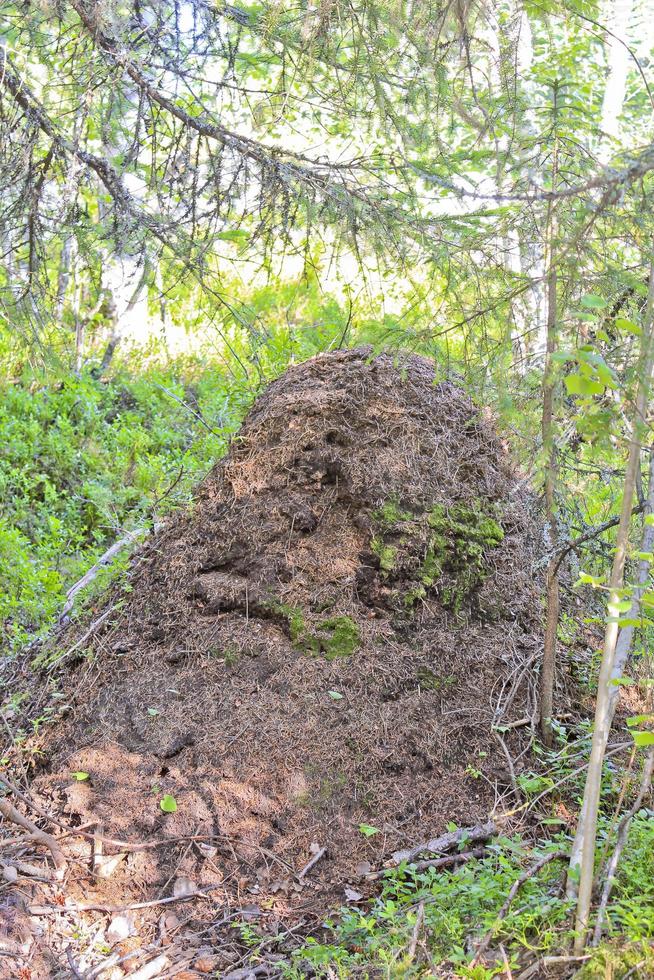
196 195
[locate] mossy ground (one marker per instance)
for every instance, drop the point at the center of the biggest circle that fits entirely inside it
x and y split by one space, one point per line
440 550
337 636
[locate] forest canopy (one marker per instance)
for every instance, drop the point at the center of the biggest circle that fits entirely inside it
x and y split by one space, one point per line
427 140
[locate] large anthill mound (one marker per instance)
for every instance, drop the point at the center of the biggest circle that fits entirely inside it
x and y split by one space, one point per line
324 640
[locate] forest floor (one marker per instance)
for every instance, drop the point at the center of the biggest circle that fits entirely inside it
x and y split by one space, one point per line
328 659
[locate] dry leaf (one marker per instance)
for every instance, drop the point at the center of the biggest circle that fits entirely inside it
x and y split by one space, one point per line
363 868
120 927
9 873
206 964
352 895
207 850
184 887
106 864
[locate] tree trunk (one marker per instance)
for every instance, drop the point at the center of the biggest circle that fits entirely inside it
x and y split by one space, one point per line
622 653
587 829
548 667
620 13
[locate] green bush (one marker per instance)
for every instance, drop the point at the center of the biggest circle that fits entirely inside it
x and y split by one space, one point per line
82 460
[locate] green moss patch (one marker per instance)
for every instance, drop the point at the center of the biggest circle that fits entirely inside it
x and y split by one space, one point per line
338 636
386 553
390 514
334 638
429 681
443 550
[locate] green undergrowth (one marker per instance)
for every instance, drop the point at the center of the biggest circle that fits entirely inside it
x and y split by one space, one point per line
462 905
83 460
458 906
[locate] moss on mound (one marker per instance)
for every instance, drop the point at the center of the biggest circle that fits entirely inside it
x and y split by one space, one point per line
439 550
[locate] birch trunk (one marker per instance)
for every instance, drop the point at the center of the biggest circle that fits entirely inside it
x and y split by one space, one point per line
587 829
622 653
548 667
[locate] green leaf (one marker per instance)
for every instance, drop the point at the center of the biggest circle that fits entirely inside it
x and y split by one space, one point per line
639 720
335 695
367 830
238 236
153 712
80 776
628 326
168 804
593 302
642 739
579 385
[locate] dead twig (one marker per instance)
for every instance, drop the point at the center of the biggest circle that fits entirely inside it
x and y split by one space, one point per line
444 843
72 964
420 918
314 860
10 812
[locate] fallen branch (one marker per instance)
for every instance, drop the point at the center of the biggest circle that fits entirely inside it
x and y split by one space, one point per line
314 860
444 843
118 909
152 969
535 969
102 562
515 887
443 862
10 812
12 867
592 532
90 631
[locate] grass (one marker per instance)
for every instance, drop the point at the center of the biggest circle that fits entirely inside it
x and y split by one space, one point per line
460 906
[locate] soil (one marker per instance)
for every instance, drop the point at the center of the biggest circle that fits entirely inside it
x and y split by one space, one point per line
314 655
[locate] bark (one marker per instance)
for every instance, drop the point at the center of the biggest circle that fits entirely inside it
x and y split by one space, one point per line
548 667
616 83
626 635
587 829
622 653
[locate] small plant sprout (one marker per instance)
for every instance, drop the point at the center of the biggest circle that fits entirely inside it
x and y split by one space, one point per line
168 803
367 830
